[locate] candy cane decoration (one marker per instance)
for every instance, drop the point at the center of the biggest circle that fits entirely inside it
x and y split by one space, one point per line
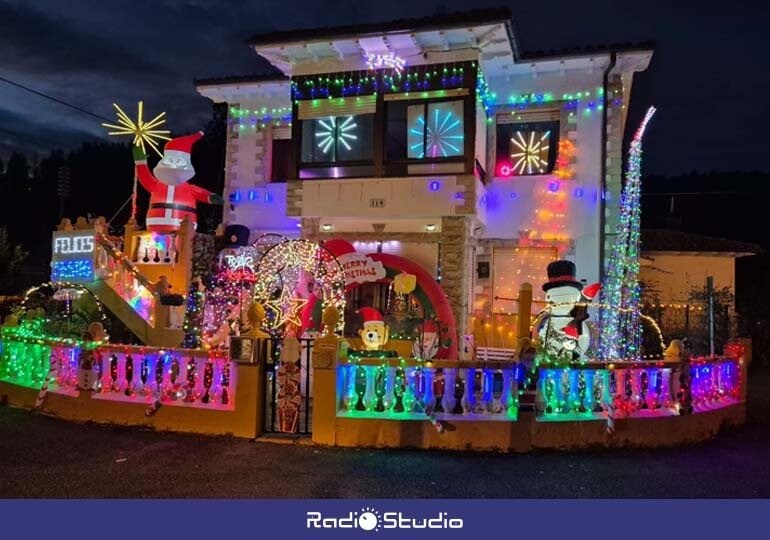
51 374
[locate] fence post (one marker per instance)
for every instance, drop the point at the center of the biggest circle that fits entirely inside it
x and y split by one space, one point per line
524 314
326 351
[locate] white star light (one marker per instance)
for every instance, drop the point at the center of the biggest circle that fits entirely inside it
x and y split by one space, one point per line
334 131
530 153
442 135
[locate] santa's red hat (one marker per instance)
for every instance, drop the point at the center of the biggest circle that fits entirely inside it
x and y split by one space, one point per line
592 290
571 331
183 145
370 315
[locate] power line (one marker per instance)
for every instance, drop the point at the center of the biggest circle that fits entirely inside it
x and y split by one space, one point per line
55 100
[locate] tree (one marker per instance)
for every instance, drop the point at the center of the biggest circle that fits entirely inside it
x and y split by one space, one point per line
12 258
724 319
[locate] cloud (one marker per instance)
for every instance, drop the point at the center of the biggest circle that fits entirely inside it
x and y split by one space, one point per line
19 133
33 41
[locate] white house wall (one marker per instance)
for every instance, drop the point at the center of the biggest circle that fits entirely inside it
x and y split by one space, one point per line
261 205
518 207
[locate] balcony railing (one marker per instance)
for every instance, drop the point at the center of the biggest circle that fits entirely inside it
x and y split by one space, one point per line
114 268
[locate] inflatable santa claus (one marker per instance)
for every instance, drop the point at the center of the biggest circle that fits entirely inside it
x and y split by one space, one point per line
172 198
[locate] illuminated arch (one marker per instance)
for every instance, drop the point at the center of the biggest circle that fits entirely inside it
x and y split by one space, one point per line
54 286
281 265
428 291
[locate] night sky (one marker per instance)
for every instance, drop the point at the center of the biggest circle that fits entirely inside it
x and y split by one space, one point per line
708 77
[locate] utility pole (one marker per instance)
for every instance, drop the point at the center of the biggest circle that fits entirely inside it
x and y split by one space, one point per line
63 187
710 293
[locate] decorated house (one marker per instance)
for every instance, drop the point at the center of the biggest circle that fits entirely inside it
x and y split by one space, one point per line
426 242
437 140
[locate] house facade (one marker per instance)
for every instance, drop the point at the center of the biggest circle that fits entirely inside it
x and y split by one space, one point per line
438 140
674 269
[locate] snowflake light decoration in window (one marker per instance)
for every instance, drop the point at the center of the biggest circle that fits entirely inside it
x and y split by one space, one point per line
335 131
530 152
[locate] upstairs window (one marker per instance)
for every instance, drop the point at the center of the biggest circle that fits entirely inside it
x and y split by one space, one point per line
425 136
280 163
425 131
525 149
435 130
338 139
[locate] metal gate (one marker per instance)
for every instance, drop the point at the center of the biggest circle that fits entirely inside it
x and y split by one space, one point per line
273 389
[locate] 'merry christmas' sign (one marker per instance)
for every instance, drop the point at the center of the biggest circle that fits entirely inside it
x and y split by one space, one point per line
360 268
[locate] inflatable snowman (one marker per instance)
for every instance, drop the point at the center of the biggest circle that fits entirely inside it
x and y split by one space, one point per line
562 329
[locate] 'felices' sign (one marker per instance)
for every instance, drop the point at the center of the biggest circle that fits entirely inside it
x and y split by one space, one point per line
72 256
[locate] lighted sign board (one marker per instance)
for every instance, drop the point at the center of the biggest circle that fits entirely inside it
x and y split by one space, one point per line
242 258
72 256
359 268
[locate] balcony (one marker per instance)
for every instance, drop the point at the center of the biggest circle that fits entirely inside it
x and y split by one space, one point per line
405 197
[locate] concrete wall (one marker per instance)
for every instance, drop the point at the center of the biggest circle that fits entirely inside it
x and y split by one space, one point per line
245 421
262 205
381 199
527 434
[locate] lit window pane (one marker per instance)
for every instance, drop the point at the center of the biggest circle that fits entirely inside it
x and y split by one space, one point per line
435 131
444 129
337 139
415 125
527 148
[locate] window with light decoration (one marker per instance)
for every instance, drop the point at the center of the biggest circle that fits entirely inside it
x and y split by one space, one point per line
338 139
526 149
516 265
423 131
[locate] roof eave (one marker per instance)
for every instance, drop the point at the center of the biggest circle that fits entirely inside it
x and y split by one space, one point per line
263 41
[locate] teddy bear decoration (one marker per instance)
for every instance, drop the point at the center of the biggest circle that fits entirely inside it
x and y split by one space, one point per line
375 333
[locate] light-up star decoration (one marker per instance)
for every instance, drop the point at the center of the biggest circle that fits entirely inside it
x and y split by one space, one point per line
336 130
286 309
528 152
144 133
442 134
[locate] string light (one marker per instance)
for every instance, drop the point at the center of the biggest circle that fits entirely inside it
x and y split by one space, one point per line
72 270
260 118
620 332
290 274
362 83
385 61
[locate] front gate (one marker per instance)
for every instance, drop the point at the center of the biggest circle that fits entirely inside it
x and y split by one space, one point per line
287 389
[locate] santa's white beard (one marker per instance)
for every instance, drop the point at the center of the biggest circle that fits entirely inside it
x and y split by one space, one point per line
172 176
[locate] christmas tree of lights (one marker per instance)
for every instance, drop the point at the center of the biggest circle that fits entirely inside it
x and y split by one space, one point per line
620 333
193 320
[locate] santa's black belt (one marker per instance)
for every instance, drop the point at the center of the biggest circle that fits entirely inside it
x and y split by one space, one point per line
172 206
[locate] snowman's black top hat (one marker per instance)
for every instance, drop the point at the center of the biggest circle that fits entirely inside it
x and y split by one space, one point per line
562 274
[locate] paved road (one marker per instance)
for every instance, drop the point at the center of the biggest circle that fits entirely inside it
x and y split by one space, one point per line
46 457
